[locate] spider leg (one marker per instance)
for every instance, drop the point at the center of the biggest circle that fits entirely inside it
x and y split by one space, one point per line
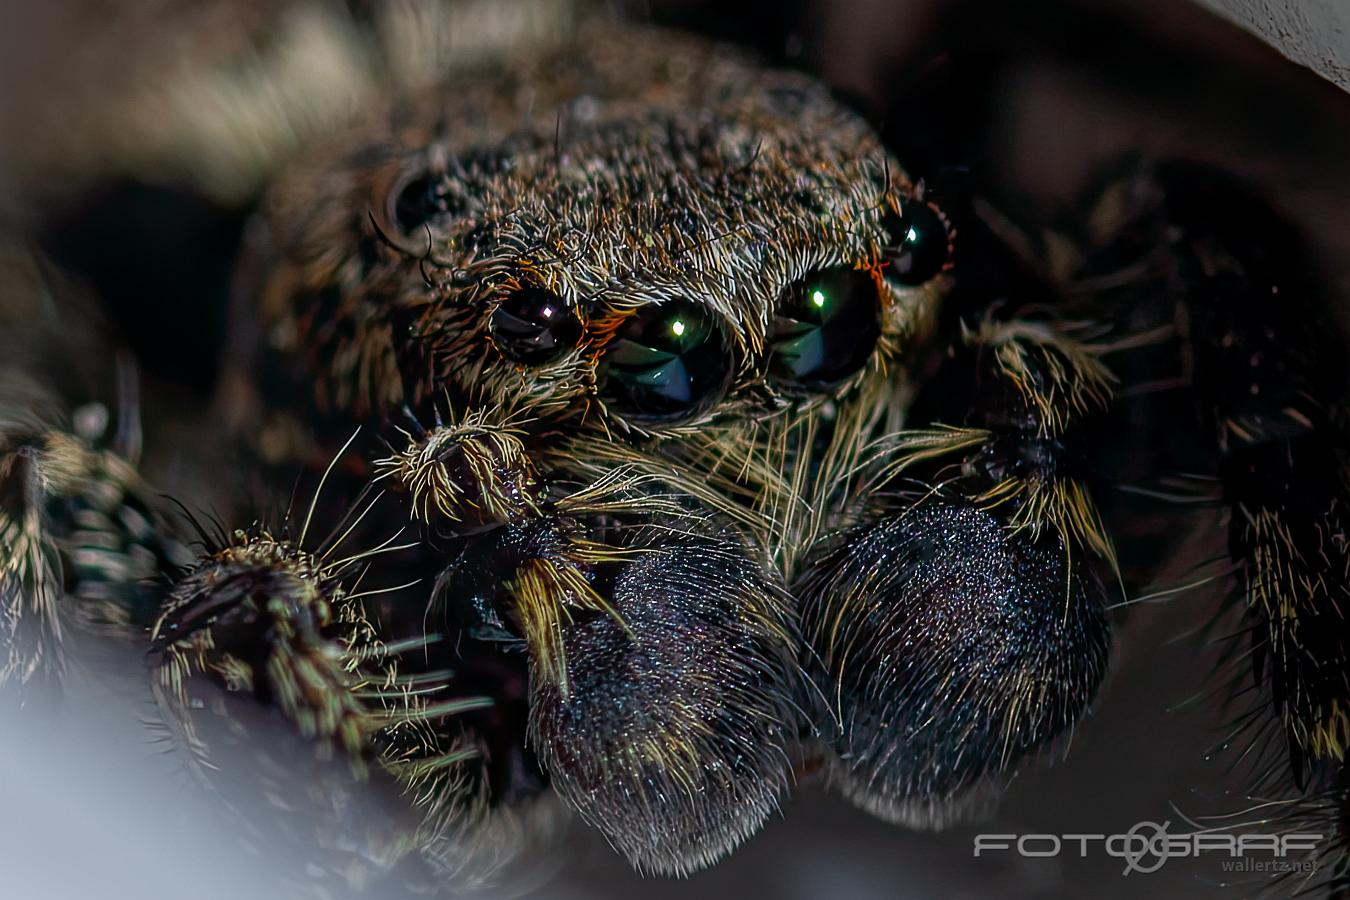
259 615
30 576
258 626
1262 349
82 538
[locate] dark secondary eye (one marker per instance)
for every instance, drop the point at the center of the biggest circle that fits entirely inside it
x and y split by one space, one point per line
917 243
417 202
826 329
533 326
665 362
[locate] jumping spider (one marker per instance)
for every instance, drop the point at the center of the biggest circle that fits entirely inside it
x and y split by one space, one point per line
667 442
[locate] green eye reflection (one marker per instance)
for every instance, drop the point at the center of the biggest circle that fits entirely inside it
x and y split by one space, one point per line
826 329
917 243
665 363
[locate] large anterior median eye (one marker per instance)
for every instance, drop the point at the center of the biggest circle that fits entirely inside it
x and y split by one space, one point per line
917 243
534 326
665 362
827 326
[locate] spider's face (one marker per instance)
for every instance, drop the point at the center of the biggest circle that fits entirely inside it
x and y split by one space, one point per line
740 247
660 310
666 272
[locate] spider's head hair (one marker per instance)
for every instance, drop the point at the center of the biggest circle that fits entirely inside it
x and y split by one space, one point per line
683 183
